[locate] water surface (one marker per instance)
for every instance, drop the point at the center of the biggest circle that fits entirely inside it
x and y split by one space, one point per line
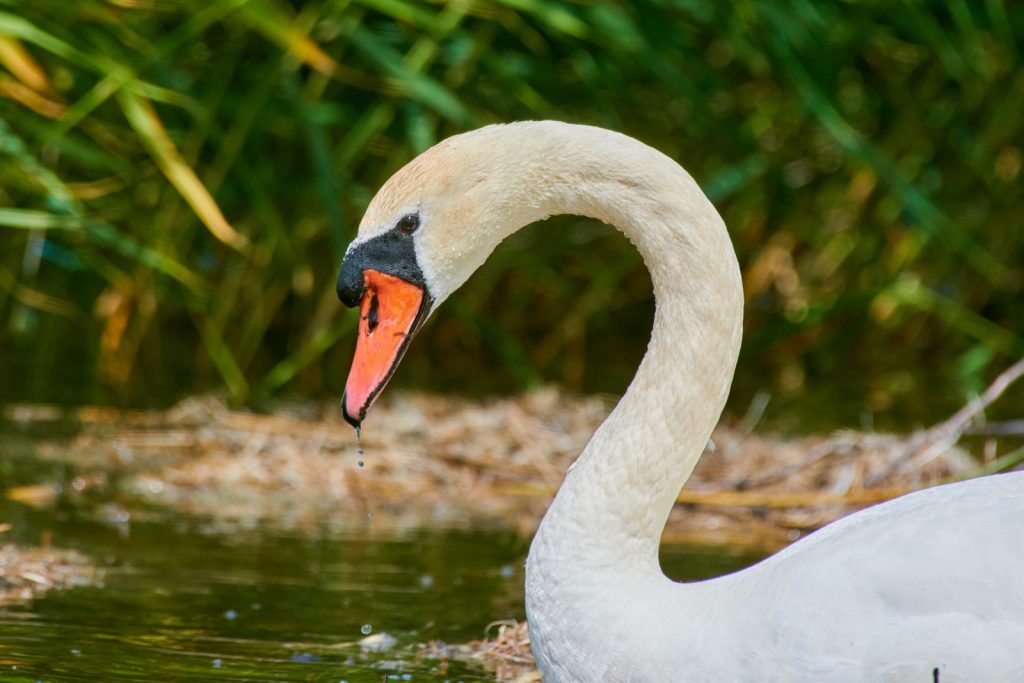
189 599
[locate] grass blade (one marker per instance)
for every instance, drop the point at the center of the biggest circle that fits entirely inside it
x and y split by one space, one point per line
147 124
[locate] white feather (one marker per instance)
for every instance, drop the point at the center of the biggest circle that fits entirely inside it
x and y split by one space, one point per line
930 582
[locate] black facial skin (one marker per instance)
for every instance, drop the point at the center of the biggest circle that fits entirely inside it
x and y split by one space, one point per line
391 253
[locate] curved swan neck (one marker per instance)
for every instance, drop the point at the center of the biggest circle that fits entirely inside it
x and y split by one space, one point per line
617 496
598 542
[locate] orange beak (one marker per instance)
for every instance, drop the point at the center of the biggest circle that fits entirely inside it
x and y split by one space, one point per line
390 312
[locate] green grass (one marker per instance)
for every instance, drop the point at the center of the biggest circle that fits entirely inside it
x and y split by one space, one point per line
178 180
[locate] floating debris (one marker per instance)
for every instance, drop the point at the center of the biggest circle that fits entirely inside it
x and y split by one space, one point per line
508 653
378 642
446 461
26 573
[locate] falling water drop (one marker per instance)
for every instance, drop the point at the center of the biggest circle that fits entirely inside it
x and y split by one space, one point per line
366 629
360 463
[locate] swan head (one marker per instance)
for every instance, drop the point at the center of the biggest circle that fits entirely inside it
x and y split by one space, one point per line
428 228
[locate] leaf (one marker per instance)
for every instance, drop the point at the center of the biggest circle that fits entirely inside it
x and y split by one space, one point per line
417 85
147 124
23 65
105 234
274 23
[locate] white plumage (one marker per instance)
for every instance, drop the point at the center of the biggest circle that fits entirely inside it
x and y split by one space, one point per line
927 587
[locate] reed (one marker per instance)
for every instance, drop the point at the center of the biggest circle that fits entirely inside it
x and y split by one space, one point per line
178 180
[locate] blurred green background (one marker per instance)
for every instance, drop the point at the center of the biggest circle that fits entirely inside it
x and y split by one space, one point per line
179 178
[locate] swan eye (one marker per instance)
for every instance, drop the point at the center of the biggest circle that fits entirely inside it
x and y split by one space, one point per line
407 224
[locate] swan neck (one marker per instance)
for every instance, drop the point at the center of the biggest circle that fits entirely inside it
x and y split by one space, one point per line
612 508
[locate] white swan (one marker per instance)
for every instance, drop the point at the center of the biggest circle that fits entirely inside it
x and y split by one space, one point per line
924 588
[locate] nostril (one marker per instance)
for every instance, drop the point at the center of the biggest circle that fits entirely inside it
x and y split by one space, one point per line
372 316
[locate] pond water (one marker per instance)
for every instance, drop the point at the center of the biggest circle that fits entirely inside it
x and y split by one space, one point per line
185 599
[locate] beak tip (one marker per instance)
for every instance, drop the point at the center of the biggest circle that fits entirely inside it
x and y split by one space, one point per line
354 420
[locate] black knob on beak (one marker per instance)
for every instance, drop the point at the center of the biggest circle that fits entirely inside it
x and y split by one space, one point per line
350 282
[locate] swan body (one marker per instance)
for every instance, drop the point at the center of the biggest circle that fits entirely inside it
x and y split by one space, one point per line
927 587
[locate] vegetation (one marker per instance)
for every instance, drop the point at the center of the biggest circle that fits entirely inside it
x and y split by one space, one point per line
179 178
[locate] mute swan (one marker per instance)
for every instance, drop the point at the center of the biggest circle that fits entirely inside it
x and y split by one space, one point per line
924 588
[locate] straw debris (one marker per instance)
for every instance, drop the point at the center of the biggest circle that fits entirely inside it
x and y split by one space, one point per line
27 573
429 460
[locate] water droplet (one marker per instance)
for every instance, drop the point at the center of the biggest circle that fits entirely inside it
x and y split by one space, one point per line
426 581
366 629
360 463
230 615
359 431
507 571
369 515
359 445
217 663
